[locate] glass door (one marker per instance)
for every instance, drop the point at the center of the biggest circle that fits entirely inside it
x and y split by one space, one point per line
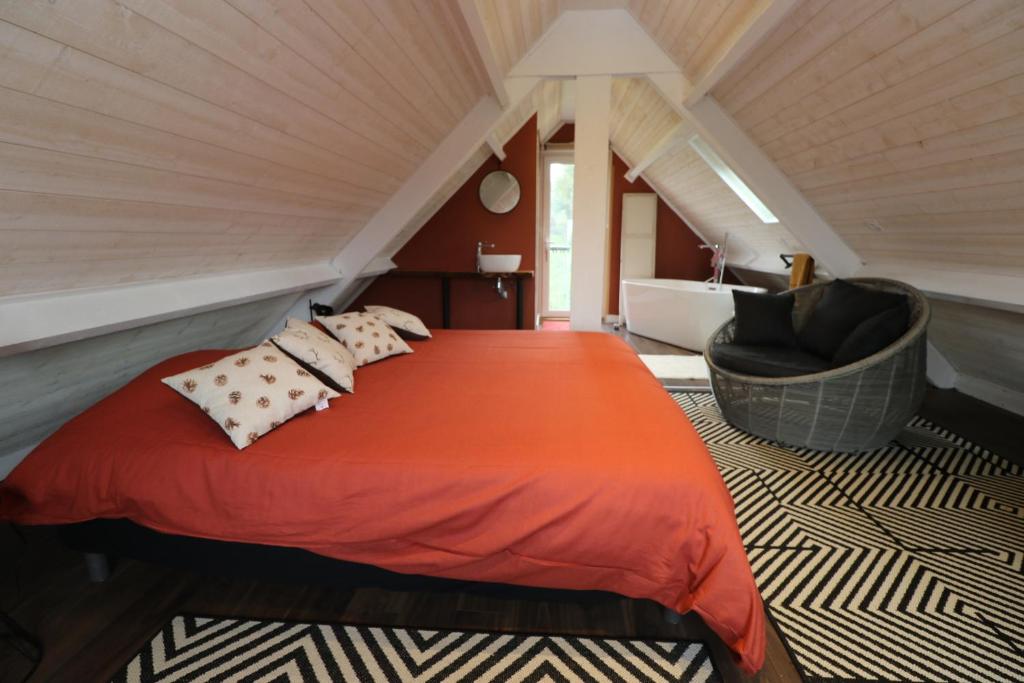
557 267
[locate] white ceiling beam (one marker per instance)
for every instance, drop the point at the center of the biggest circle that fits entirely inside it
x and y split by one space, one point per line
496 146
37 321
484 49
670 141
594 43
762 176
378 266
761 20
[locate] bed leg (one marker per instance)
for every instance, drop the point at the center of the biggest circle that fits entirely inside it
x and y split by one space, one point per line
673 617
98 567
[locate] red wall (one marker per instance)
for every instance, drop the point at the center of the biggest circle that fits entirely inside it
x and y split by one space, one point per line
448 242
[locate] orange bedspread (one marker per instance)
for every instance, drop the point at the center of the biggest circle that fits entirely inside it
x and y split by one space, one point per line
535 458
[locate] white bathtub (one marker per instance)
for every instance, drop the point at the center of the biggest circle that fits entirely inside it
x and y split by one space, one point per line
679 312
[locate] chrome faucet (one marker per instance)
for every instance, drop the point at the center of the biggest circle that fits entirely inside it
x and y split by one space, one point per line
480 250
717 261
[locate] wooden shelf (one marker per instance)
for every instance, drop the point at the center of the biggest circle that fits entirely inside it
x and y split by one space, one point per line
446 276
518 274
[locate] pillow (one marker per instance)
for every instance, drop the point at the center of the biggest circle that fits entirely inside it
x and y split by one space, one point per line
763 319
842 307
321 354
873 335
405 324
365 335
251 392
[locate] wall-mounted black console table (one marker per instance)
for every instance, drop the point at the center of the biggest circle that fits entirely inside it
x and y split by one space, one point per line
447 276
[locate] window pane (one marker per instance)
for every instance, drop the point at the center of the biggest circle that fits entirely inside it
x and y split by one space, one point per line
560 236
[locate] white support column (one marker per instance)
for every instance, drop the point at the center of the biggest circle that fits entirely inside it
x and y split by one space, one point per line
590 201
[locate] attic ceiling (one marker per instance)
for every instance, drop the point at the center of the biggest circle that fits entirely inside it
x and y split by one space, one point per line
158 139
153 139
162 140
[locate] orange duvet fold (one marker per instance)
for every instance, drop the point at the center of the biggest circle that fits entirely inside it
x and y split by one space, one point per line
534 458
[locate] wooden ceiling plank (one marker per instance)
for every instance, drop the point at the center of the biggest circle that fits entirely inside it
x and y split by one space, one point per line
36 122
854 56
738 42
473 14
122 37
295 24
222 31
408 32
77 79
819 35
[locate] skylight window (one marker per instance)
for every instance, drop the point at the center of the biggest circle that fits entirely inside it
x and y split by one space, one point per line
745 194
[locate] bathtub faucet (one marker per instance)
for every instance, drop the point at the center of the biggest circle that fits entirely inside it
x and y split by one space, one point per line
717 261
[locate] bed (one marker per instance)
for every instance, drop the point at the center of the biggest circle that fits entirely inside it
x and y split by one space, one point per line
541 459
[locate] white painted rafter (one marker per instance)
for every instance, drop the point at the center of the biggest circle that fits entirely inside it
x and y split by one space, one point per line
495 144
759 22
670 141
603 42
484 49
37 321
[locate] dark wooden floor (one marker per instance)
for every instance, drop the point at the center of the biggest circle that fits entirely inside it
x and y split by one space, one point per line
90 629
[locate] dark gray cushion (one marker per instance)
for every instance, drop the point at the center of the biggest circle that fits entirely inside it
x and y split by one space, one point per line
873 335
767 361
763 319
842 307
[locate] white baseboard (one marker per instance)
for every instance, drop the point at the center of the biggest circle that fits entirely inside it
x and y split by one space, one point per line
989 392
612 319
8 461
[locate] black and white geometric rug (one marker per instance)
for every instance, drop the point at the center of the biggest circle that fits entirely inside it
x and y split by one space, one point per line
192 648
902 564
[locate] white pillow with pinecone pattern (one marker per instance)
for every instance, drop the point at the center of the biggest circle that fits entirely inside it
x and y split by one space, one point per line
251 392
367 336
405 324
329 361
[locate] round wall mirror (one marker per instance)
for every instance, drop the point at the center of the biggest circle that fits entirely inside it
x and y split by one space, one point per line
499 191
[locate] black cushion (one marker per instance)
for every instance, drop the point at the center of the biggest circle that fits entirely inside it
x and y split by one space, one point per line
766 361
842 307
873 335
763 319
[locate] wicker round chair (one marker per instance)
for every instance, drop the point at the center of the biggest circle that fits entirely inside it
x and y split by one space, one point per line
851 408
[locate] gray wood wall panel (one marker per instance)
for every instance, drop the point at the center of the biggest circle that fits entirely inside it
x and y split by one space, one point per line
43 389
986 343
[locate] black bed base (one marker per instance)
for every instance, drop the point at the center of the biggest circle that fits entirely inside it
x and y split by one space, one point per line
122 538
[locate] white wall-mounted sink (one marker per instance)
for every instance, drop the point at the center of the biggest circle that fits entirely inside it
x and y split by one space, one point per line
499 263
